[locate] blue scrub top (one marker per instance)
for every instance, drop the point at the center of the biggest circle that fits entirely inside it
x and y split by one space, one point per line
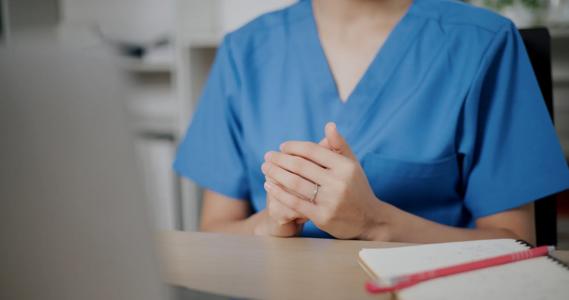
448 121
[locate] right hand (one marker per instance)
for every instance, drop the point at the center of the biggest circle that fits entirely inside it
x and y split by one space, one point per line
279 220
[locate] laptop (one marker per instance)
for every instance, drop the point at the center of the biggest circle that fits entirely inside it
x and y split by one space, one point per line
73 223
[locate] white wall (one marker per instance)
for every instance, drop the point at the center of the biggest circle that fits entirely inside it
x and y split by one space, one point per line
134 20
236 13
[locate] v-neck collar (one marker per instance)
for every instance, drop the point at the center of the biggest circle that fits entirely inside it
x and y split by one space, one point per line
369 87
326 64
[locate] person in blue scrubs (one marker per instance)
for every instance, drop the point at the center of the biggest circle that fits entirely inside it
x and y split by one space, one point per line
413 121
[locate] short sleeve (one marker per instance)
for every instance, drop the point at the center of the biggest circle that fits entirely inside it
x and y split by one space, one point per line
211 154
511 154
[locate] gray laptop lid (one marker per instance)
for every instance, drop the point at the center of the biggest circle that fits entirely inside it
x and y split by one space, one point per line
72 219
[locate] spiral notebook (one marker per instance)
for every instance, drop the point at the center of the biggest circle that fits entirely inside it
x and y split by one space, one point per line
539 278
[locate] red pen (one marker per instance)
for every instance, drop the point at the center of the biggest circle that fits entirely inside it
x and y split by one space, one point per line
400 282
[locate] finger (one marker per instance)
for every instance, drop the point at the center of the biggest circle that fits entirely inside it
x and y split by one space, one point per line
289 181
337 142
313 152
324 143
305 208
299 166
278 211
274 182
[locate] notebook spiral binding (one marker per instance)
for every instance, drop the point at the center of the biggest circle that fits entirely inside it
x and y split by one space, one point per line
549 256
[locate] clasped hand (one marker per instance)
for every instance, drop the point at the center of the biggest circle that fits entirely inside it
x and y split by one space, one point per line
344 205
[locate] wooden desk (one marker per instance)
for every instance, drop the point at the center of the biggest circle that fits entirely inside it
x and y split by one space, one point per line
268 268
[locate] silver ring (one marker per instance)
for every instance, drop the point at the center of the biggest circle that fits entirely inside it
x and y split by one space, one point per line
315 193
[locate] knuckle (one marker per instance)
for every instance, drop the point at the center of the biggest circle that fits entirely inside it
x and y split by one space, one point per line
290 216
286 182
294 203
275 158
281 159
296 184
295 164
350 168
276 213
326 217
272 212
279 217
310 152
273 198
269 168
271 206
305 148
342 187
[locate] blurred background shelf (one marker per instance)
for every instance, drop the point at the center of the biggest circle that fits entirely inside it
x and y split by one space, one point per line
561 77
204 41
138 66
559 33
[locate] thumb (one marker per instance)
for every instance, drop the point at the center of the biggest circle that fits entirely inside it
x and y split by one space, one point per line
336 141
324 143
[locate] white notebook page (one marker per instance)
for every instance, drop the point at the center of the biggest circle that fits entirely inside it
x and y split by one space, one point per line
539 278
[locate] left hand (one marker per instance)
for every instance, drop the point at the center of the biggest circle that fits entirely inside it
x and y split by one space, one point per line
345 206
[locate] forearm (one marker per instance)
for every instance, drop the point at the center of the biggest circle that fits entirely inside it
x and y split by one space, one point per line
246 226
396 225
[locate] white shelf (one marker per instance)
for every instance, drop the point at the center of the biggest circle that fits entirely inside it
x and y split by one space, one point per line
157 125
560 77
140 66
559 33
203 41
153 113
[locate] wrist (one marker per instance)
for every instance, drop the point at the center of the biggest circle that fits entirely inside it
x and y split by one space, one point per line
259 223
377 225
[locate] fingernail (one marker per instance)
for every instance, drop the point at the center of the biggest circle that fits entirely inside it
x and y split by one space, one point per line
332 125
282 146
267 186
264 167
268 155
